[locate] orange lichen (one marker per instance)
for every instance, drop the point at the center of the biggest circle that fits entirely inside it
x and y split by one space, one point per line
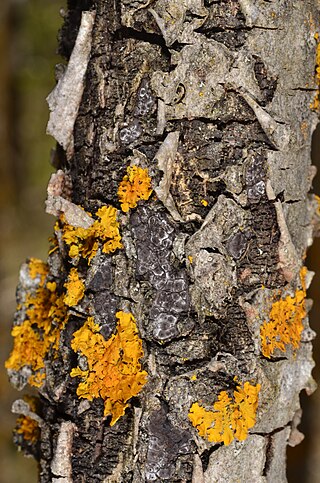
114 371
53 241
285 323
317 198
316 102
38 268
135 186
27 426
85 241
231 418
75 288
46 315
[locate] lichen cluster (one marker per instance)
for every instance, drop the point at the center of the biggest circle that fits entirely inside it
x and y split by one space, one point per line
111 369
46 316
135 186
285 323
28 428
85 242
38 269
75 288
114 371
231 418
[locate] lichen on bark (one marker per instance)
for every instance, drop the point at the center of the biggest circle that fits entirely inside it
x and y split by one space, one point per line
190 153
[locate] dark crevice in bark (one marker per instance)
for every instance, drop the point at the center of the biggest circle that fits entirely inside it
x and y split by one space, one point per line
273 359
182 368
68 32
213 30
292 202
269 455
225 24
78 313
143 36
267 83
304 89
212 250
222 125
206 455
262 254
270 449
261 27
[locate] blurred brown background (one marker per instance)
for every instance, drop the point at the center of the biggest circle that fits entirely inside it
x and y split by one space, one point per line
28 42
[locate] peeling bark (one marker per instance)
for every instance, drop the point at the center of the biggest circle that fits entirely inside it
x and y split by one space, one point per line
212 97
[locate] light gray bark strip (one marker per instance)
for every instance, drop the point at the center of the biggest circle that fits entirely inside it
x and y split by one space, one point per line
64 100
61 464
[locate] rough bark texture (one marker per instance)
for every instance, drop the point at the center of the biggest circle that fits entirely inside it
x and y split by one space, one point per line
213 98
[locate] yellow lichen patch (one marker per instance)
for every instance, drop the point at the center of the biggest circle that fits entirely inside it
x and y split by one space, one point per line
85 241
28 349
135 186
285 323
75 288
52 286
231 418
114 371
29 428
46 316
316 102
317 198
53 242
38 268
107 229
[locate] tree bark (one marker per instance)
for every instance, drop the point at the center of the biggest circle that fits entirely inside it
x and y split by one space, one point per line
210 103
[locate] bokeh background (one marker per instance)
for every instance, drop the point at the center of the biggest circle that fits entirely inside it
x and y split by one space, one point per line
28 44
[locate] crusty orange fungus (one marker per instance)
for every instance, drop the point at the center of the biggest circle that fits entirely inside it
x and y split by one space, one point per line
316 102
75 288
231 418
85 241
114 371
285 323
46 315
135 186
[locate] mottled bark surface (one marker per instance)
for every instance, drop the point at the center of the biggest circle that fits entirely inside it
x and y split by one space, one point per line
212 97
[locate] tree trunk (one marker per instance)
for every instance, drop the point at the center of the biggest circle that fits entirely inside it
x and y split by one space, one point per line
168 334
